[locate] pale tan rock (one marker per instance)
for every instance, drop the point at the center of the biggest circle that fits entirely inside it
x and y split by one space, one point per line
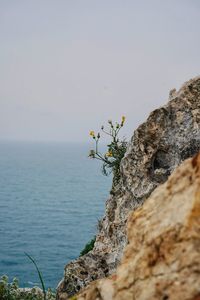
102 289
170 135
162 258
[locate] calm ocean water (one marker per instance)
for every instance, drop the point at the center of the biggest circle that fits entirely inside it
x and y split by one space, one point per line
51 196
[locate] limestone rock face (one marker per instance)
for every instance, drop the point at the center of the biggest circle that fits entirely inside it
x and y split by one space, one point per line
170 135
162 258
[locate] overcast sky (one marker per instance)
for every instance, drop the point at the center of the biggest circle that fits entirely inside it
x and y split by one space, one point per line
66 66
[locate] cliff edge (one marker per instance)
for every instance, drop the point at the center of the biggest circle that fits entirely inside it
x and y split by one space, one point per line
170 135
162 258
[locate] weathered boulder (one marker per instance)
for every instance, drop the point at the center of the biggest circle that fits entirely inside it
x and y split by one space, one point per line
162 258
170 135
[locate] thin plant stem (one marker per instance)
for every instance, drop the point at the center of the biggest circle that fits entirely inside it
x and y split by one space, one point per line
39 274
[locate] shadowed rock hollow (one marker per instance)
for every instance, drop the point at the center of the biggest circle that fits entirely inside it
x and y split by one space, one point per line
170 135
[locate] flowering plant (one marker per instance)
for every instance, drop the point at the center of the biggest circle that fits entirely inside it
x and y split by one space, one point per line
115 149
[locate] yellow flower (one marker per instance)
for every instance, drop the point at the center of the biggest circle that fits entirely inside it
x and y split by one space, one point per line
92 133
123 119
109 154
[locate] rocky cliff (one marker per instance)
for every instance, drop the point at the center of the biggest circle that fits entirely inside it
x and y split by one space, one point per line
170 135
162 258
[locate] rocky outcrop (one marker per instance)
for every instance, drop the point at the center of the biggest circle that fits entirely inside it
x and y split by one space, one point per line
162 258
170 135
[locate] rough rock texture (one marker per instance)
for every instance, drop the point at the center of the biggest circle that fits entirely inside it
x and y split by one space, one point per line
162 259
170 135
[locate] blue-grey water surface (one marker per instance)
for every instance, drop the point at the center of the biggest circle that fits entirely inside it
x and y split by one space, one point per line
51 196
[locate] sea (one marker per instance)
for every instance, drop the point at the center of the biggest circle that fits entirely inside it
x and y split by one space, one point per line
51 198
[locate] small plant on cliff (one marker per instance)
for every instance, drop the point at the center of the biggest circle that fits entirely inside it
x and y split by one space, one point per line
8 291
88 247
11 291
115 149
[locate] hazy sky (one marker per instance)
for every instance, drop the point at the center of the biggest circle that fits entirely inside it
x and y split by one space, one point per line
66 66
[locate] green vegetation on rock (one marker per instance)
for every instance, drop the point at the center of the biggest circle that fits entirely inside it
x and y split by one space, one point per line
88 247
11 291
115 149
